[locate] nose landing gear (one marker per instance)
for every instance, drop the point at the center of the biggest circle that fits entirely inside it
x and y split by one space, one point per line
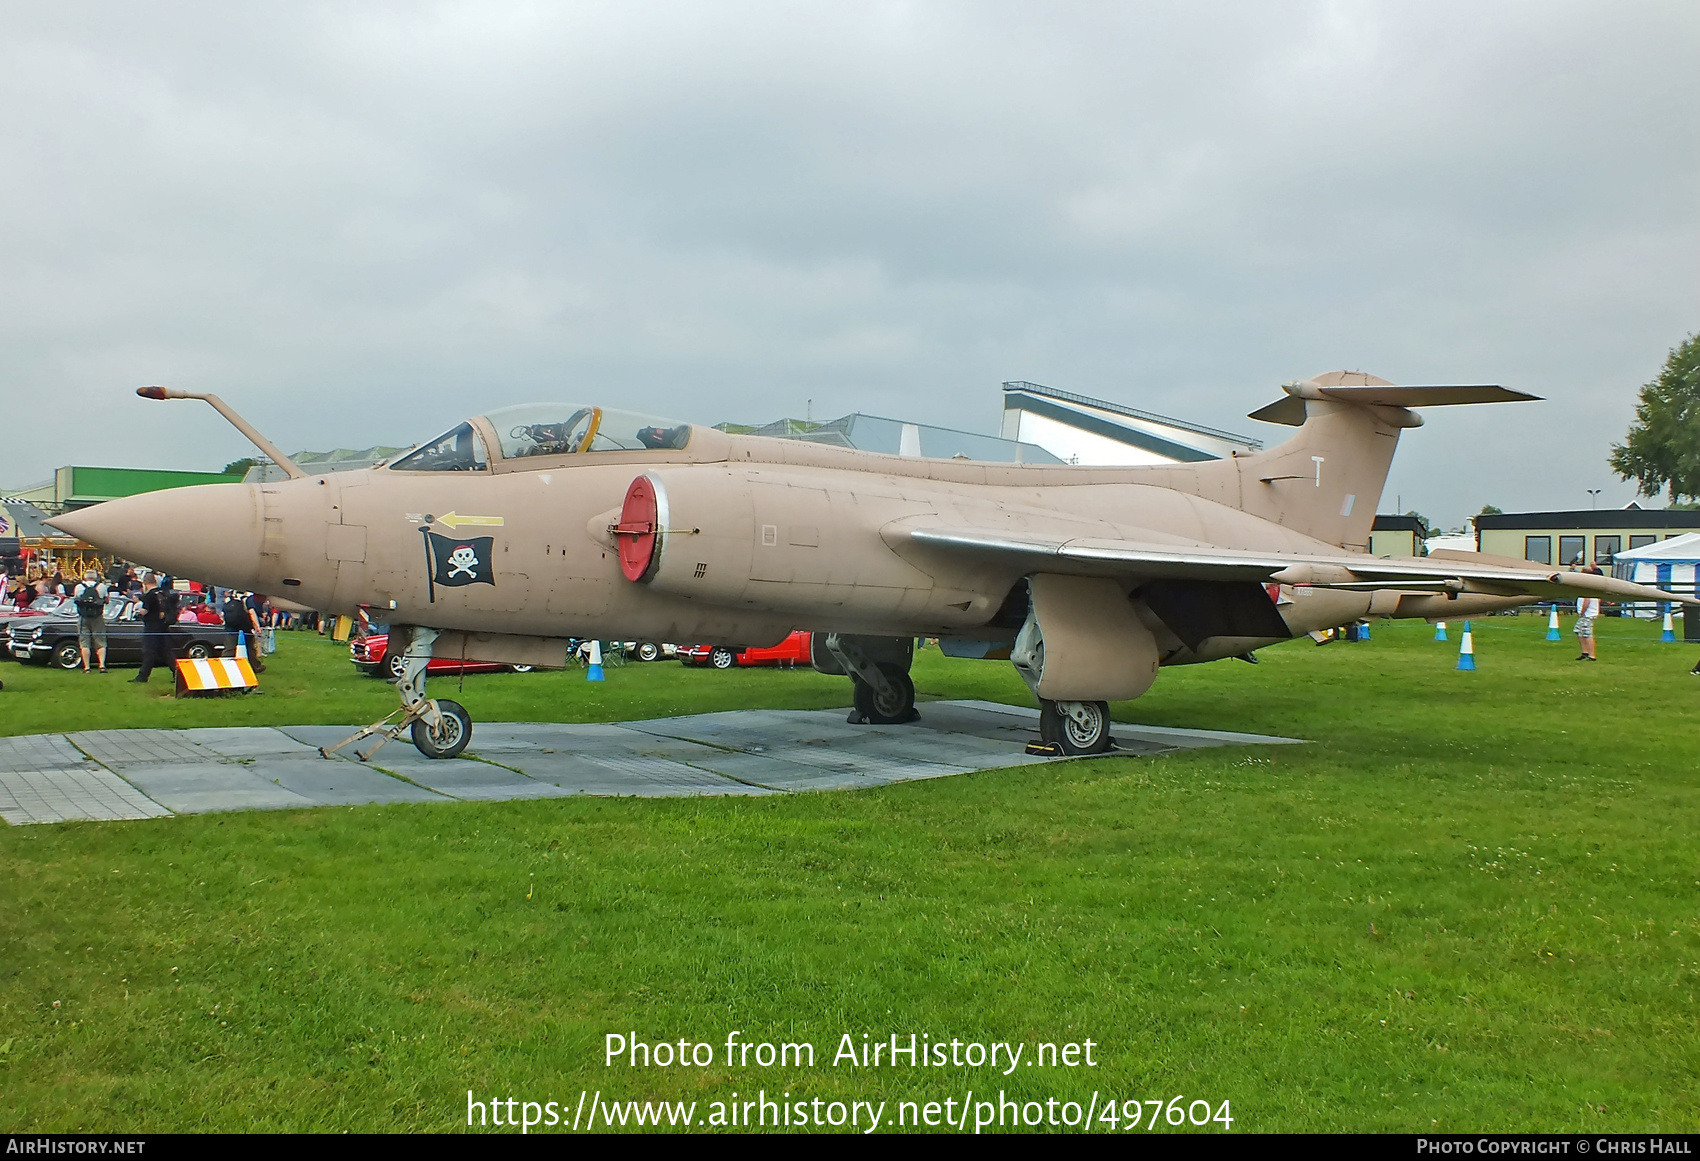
440 728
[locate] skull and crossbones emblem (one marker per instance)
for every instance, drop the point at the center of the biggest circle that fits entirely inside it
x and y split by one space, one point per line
462 562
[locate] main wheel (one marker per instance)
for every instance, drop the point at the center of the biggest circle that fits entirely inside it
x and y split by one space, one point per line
894 707
648 651
448 739
722 658
1079 727
67 655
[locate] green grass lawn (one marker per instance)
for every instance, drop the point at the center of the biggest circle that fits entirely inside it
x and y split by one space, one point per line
1468 904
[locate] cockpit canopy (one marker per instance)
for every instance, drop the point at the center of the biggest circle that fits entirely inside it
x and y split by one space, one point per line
544 429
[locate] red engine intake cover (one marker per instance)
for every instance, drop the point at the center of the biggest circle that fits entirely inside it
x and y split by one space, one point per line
637 530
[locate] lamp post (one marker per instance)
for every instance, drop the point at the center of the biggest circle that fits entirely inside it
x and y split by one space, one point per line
1594 498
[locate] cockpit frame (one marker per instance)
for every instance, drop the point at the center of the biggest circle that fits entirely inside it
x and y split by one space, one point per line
575 435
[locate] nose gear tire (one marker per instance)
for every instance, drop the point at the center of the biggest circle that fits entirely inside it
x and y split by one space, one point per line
450 738
1076 727
895 708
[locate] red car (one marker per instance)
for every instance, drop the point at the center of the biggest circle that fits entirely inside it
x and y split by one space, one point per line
789 653
372 657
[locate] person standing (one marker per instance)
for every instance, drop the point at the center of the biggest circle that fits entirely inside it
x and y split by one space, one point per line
239 618
156 610
91 619
1587 608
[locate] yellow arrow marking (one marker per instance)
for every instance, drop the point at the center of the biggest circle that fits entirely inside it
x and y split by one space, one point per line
454 521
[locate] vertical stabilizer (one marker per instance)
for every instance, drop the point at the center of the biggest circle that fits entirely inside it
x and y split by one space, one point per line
1326 481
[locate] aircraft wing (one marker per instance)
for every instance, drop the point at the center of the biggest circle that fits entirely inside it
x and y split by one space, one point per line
1094 556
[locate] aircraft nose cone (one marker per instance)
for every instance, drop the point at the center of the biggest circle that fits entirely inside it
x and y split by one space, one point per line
212 532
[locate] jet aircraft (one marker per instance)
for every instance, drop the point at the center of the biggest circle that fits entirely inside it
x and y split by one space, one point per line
521 528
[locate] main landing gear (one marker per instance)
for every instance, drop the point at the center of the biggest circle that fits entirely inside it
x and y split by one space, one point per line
441 728
1075 727
881 691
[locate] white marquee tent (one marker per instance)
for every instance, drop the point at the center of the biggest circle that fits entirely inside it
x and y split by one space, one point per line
1670 564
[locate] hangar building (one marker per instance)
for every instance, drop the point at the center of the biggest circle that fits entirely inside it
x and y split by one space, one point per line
1081 430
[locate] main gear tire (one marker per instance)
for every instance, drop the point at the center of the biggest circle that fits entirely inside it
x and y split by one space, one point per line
450 737
892 708
1076 727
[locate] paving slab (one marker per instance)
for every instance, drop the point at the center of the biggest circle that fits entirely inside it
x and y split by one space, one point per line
201 787
609 775
241 742
117 749
40 752
325 783
65 794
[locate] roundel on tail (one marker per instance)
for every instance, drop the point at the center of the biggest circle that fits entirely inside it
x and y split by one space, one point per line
638 534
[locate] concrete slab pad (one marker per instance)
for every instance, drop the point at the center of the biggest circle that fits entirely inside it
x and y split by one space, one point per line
118 749
778 771
249 742
40 752
635 775
1172 737
338 783
499 737
197 787
64 794
479 781
739 752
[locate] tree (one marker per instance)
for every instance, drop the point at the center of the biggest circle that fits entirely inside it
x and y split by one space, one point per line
241 465
1491 510
1663 447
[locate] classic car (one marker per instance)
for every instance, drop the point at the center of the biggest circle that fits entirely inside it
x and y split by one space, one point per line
640 650
789 653
39 607
52 639
372 657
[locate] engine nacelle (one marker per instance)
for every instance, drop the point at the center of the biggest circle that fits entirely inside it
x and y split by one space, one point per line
1083 641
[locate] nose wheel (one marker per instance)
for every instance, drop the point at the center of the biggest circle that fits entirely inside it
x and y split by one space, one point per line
1075 727
440 729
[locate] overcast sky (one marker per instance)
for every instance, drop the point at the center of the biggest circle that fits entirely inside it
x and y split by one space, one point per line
359 223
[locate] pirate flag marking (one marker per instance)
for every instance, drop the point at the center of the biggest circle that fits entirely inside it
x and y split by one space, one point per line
457 561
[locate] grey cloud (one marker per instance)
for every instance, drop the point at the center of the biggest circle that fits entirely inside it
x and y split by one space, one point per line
360 222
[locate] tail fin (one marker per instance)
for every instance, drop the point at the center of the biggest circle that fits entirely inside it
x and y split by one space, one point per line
1326 481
